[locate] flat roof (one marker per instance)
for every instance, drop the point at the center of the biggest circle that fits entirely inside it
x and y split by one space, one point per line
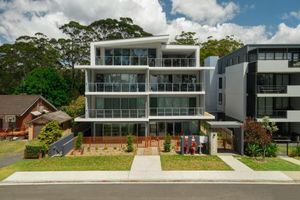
225 124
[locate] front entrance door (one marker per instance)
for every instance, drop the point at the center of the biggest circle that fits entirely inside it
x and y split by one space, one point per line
153 129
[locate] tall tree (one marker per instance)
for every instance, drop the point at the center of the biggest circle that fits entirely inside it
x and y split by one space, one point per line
20 58
222 47
186 38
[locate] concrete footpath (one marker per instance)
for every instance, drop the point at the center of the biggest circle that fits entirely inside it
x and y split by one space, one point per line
148 169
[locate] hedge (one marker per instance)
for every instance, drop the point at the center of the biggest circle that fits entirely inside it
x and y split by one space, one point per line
33 150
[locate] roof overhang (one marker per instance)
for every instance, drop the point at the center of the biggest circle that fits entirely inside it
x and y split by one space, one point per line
225 124
132 41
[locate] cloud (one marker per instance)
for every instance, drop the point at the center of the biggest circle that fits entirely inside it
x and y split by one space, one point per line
292 14
205 12
26 17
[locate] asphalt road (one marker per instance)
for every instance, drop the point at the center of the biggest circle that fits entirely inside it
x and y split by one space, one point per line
151 191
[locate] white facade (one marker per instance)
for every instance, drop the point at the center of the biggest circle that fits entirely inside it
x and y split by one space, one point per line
144 86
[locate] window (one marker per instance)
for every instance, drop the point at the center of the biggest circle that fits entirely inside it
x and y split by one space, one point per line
269 56
220 83
220 99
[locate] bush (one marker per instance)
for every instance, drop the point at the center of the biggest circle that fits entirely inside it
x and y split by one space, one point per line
271 150
34 149
295 152
253 149
167 143
79 141
50 133
129 147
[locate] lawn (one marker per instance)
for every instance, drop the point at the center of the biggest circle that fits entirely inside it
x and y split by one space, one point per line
180 162
269 164
11 147
282 149
70 164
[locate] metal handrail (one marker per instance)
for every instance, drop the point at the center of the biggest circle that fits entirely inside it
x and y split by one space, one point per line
116 113
172 62
272 89
122 60
177 111
176 87
145 60
116 87
272 113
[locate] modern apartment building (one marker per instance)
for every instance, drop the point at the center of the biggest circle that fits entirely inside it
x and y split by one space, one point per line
256 81
144 86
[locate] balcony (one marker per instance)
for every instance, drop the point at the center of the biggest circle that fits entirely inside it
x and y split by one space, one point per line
180 111
272 114
294 63
176 87
116 87
281 115
144 60
116 113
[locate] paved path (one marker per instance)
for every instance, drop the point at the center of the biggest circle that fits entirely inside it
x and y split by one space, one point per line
235 164
289 159
10 159
146 163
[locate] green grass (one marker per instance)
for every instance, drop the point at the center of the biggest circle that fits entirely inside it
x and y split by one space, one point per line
269 164
106 163
180 162
11 147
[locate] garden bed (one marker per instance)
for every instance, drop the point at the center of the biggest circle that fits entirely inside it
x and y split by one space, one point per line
269 164
195 162
97 150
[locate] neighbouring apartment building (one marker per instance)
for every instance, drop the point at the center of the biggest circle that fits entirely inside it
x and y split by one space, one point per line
144 86
256 81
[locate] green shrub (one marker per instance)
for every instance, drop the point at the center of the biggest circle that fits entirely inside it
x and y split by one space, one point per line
252 149
79 141
295 152
34 149
129 147
50 133
167 143
271 150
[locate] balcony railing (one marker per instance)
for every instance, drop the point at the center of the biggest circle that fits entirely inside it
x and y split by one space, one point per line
268 89
272 113
179 111
172 62
116 87
144 60
117 113
176 87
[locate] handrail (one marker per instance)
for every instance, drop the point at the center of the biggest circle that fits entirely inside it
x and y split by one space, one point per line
116 113
145 60
177 111
116 87
272 113
176 87
271 88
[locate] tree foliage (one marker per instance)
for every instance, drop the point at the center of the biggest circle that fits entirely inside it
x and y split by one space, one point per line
76 107
48 83
222 47
271 127
255 133
50 133
186 38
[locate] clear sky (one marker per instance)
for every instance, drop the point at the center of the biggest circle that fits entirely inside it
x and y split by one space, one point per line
252 21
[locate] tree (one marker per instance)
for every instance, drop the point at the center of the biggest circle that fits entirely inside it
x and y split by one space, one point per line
19 59
186 38
255 133
129 147
50 133
222 47
271 127
76 107
48 83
